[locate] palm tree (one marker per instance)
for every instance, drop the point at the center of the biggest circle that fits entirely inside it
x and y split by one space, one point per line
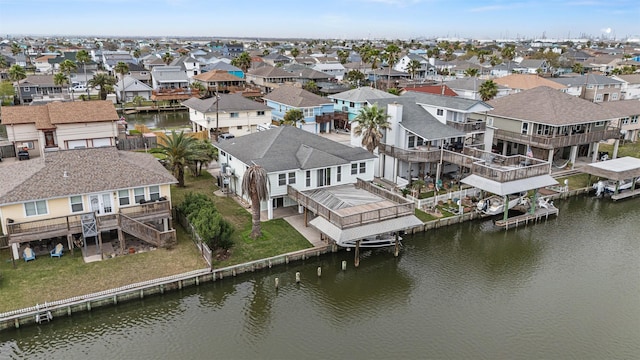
471 72
343 56
66 67
167 58
15 49
17 73
374 56
60 79
105 82
83 57
488 90
178 148
292 117
203 152
3 62
255 183
136 54
413 66
122 68
295 52
243 61
508 53
370 123
392 52
577 68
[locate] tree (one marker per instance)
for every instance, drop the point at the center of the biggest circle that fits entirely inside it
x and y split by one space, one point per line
255 183
178 148
577 68
355 77
67 66
343 56
60 79
15 49
413 66
7 91
370 123
83 57
196 85
391 54
292 117
374 56
3 62
471 72
122 68
167 58
138 100
103 81
295 52
311 86
17 73
136 54
243 61
203 153
488 90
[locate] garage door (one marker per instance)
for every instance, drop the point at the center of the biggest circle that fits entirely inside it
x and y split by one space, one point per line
76 144
102 142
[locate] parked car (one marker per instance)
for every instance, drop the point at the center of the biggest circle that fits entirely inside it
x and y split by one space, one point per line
226 136
23 154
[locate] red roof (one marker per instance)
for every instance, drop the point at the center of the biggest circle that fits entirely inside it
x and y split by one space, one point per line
433 89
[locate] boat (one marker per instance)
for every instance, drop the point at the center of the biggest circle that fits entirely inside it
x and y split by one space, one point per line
609 186
382 240
494 205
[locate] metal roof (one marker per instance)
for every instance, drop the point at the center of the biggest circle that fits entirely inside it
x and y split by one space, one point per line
617 169
364 231
509 187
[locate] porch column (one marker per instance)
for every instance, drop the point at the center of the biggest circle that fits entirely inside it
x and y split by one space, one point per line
300 209
573 154
615 149
395 170
550 159
165 224
270 209
594 155
70 242
504 148
14 250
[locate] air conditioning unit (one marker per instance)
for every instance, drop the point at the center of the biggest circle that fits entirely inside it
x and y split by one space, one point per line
345 108
229 171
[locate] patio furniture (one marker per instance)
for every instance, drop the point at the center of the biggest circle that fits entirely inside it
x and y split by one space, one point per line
57 251
28 254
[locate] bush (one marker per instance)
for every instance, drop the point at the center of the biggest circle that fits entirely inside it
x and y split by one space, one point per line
212 228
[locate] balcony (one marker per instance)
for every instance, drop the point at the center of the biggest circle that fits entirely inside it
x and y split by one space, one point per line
174 94
468 127
328 117
557 141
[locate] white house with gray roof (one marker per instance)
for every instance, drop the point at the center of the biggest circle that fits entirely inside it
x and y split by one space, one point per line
292 157
231 113
352 101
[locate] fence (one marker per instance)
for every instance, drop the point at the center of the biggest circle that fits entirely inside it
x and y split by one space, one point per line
432 201
7 151
206 253
135 143
4 242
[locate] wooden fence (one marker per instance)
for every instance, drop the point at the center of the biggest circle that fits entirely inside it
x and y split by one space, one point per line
206 253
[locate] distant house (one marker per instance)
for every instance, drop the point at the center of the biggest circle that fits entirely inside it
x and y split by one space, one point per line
630 86
232 50
628 112
188 64
43 65
469 87
232 113
317 111
520 82
425 69
132 88
532 66
292 157
36 86
277 59
269 77
306 74
61 125
334 69
50 199
352 101
592 87
169 77
220 81
221 65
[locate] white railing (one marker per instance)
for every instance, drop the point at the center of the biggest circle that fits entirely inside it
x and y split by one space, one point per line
432 201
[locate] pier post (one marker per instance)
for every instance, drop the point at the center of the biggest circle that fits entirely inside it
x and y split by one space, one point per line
319 271
396 251
356 261
297 277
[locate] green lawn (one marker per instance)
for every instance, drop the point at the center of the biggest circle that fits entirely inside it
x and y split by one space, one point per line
49 279
626 149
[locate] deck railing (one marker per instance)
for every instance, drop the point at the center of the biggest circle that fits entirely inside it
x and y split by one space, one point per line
468 127
558 140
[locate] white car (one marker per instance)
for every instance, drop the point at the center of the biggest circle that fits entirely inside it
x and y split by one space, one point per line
78 89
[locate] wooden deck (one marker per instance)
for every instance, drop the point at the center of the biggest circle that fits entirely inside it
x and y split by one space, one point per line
625 194
524 219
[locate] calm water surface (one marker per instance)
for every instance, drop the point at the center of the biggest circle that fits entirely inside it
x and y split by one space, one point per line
565 289
159 120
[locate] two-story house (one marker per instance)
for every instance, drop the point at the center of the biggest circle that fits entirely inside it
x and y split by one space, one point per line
592 87
554 125
352 101
188 64
36 86
628 112
75 196
169 78
317 111
292 157
61 125
520 82
425 69
268 77
132 87
469 87
630 87
229 113
220 81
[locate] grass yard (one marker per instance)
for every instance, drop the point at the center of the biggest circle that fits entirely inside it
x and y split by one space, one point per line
49 279
626 149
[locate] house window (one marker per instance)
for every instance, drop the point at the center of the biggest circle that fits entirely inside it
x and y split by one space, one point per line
239 127
123 197
599 123
363 167
234 115
33 208
260 113
412 141
339 174
154 192
292 178
26 89
324 177
138 195
590 86
282 179
598 98
525 128
308 182
76 204
490 121
352 104
440 112
307 112
614 96
634 119
354 169
625 121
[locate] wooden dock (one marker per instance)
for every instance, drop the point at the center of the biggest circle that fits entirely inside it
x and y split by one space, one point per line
625 194
539 215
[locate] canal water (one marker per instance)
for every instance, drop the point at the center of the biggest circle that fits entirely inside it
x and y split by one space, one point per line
163 120
568 288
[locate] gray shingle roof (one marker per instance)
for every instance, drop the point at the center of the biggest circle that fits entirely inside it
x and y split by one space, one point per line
290 148
88 170
296 97
545 105
588 79
228 102
447 102
362 94
418 120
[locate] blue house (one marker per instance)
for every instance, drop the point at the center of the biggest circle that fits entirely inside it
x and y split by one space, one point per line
318 111
351 101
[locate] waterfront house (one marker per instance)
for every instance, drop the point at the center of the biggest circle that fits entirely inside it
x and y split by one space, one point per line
169 78
628 113
352 101
188 64
268 77
318 111
230 113
132 88
75 196
61 125
220 81
552 124
292 157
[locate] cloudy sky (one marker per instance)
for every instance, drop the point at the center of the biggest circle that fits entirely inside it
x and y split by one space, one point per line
352 19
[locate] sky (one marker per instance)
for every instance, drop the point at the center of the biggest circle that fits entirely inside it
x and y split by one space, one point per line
341 19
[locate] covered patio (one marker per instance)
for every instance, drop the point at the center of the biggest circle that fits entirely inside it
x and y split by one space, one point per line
624 169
